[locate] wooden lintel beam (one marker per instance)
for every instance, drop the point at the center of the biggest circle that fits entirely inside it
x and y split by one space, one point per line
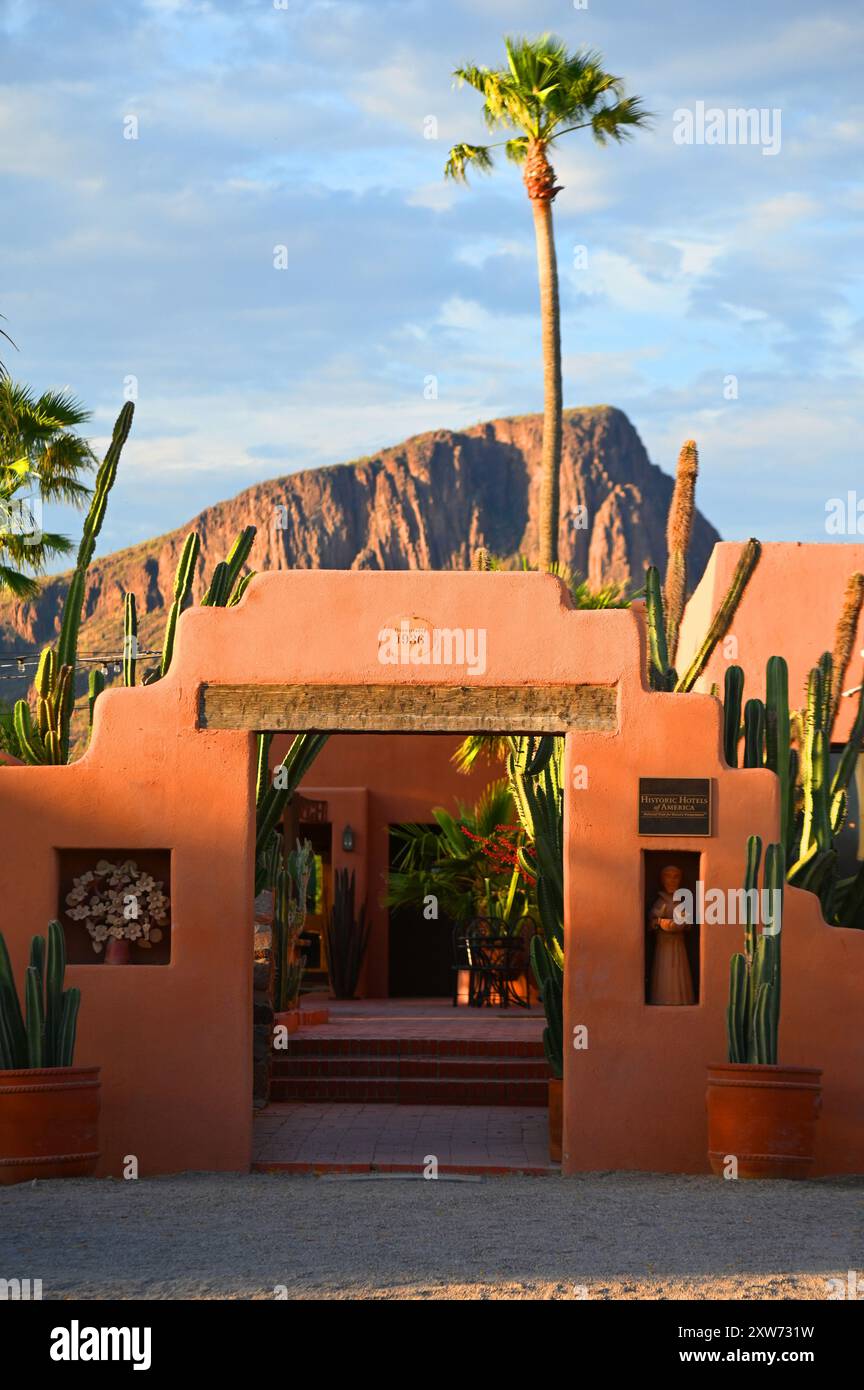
399 708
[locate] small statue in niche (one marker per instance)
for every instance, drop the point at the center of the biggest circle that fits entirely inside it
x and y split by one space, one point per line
671 980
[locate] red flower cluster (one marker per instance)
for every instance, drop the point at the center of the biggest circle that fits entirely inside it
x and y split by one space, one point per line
501 848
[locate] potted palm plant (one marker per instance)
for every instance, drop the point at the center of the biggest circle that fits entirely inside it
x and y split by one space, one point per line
761 1116
49 1109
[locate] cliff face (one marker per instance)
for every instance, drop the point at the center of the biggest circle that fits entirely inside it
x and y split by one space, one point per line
425 504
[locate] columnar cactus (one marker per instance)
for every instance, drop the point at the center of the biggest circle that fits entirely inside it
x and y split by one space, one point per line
547 961
130 639
55 677
753 1015
660 674
227 572
183 577
754 733
733 693
779 755
95 686
44 1035
722 620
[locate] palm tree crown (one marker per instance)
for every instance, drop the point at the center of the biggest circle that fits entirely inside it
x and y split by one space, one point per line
544 93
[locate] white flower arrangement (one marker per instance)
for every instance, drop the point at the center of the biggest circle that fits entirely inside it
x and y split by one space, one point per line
119 901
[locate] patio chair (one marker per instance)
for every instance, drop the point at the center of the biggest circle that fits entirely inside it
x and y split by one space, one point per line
494 960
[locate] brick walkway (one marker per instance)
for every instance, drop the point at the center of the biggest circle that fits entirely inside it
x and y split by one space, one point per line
421 1018
308 1137
348 1131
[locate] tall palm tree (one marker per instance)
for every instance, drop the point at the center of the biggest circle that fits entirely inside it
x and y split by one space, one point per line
545 92
41 458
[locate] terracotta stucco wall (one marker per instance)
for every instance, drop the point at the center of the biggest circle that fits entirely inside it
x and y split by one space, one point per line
790 608
174 1041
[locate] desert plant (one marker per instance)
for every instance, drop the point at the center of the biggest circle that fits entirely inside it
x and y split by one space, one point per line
347 937
844 640
292 881
661 674
183 577
536 768
48 741
753 1014
679 528
274 791
541 94
130 639
44 1034
813 800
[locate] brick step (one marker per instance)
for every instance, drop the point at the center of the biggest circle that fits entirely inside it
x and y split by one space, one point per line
412 1068
313 1044
410 1091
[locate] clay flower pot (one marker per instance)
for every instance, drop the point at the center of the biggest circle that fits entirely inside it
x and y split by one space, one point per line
289 1019
765 1116
49 1123
117 951
556 1118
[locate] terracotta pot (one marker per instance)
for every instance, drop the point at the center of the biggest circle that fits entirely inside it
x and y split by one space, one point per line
289 1019
556 1118
117 951
49 1123
765 1116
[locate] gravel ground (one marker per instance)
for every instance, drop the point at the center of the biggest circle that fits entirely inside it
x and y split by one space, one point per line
614 1235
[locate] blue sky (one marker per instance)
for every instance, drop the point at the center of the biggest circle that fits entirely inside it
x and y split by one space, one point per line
306 127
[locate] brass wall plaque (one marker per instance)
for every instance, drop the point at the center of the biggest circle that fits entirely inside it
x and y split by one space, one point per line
675 806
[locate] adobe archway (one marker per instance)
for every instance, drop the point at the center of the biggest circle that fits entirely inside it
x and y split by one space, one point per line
173 1041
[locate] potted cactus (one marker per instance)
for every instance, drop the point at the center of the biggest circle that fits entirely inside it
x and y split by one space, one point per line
761 1116
49 1110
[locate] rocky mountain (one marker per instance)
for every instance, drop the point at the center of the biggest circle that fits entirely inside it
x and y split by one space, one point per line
425 504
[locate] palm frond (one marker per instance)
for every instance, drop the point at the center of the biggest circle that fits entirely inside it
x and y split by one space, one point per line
491 747
462 157
18 584
620 120
517 149
544 92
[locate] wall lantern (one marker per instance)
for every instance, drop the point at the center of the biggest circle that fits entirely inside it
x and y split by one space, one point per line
348 839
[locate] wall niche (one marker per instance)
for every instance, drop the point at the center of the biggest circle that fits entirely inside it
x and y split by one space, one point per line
672 953
98 886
